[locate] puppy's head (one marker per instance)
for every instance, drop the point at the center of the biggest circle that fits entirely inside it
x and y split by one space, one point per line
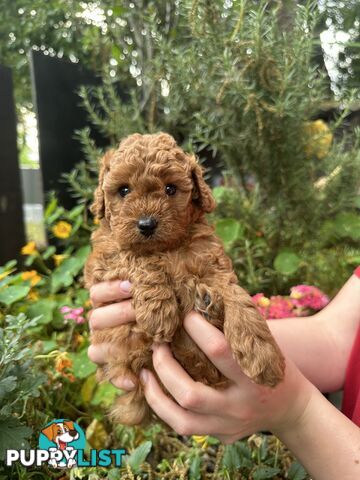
150 192
61 430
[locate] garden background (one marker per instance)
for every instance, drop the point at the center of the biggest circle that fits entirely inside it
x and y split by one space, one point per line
265 93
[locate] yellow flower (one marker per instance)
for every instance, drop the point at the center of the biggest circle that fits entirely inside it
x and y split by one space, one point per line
319 139
296 295
201 440
33 295
31 275
58 259
29 249
62 229
264 302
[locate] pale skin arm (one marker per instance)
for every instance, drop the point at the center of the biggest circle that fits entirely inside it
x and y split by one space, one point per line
320 345
295 411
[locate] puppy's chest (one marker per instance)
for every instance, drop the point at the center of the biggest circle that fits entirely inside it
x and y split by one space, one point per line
169 267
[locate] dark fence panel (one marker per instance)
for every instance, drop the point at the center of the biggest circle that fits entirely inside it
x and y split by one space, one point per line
11 212
59 114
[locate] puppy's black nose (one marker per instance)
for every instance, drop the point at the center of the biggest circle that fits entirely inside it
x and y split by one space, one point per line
147 225
73 433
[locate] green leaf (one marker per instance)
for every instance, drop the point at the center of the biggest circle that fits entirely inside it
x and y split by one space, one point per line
263 472
83 253
229 230
195 471
114 474
55 215
244 449
51 207
8 266
75 212
138 456
13 435
353 259
296 472
287 263
60 279
231 459
44 308
63 276
348 225
48 252
105 395
48 346
82 295
118 11
7 384
263 450
219 192
12 294
82 366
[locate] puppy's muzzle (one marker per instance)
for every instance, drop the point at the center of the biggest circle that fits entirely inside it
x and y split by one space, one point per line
147 225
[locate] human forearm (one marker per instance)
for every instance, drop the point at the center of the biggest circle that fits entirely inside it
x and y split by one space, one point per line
320 345
312 348
325 441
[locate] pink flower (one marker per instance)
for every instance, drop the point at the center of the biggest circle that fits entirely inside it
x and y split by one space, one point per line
306 296
73 314
280 307
65 309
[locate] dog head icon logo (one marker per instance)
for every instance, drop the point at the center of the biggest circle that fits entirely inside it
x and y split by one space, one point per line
62 438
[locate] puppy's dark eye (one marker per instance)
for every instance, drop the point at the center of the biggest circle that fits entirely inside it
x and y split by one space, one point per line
124 190
170 189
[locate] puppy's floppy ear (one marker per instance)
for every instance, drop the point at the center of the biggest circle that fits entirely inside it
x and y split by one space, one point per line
98 207
201 195
50 432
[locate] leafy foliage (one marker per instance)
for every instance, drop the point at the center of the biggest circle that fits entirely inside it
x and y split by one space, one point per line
243 93
19 384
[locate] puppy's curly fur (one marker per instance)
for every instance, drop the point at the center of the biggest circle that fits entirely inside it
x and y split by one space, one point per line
175 268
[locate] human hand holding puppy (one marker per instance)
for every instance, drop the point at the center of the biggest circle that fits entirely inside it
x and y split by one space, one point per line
294 410
193 408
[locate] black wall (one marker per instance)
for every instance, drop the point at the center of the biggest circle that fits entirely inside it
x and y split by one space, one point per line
59 114
12 236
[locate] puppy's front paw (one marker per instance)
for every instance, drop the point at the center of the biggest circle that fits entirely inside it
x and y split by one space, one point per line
208 302
158 319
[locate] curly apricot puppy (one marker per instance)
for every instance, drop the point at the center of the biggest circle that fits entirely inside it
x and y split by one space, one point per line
152 201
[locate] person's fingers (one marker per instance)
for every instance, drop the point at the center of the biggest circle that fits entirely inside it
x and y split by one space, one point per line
189 394
182 421
99 353
124 383
106 292
111 315
214 344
